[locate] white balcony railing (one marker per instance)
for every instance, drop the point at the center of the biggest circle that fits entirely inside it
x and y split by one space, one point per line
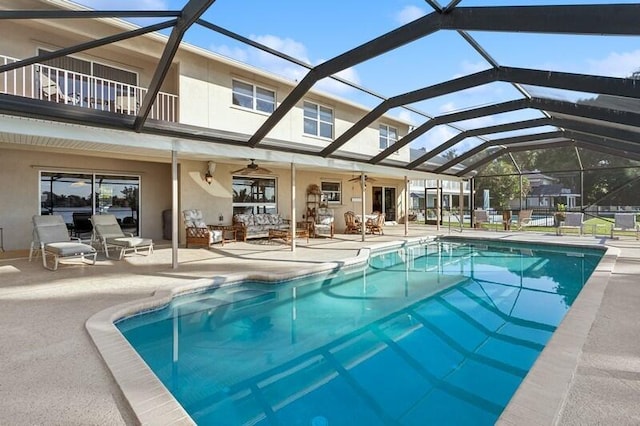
58 85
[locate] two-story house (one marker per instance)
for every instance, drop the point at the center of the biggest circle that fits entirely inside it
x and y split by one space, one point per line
91 161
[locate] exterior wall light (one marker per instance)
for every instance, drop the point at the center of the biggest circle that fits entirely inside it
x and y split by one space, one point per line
208 177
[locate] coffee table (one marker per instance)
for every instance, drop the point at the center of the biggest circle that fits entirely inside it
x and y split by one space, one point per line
285 234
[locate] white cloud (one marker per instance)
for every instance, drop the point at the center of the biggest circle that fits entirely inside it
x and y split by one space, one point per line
236 53
438 136
284 68
616 64
473 67
287 46
408 14
447 107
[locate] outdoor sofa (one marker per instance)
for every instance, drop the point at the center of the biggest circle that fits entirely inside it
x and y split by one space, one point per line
258 225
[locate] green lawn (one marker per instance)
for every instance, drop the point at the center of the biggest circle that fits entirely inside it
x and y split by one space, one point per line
602 227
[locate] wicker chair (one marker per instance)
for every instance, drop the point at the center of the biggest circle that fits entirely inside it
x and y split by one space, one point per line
324 224
374 226
352 226
198 232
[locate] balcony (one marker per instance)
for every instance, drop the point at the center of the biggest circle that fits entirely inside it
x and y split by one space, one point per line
62 86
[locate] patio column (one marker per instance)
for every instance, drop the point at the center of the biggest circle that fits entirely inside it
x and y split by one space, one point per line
406 206
363 187
293 207
436 204
461 204
174 209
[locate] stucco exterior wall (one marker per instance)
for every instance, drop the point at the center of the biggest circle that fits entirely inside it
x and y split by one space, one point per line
20 189
217 199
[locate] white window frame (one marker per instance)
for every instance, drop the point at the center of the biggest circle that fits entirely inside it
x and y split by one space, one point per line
254 96
318 120
388 141
325 198
257 205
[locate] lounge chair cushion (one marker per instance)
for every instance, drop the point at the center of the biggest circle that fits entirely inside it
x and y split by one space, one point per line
64 249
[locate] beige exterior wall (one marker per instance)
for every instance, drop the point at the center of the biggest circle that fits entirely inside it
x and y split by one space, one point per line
206 101
20 189
217 199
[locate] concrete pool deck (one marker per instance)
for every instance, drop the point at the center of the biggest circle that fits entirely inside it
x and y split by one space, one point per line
52 372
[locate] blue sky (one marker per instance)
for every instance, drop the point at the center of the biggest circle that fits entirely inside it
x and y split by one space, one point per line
314 32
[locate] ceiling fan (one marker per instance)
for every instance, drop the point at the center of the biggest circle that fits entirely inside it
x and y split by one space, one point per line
366 179
252 169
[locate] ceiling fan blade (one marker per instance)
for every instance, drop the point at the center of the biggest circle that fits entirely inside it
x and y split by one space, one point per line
252 169
366 179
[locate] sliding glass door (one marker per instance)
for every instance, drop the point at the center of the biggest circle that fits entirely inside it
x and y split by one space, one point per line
76 196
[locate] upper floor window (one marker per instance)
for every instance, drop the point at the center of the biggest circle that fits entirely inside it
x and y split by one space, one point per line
388 136
253 97
318 120
331 192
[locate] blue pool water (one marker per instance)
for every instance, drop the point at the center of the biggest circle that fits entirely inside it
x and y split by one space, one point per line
442 333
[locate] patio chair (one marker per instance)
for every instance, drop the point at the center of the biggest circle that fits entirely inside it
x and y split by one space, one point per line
198 232
479 217
50 233
126 104
51 91
573 220
352 226
625 222
374 226
524 218
107 231
82 224
324 223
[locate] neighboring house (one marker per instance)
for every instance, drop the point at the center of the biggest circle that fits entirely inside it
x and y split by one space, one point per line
546 192
424 191
51 167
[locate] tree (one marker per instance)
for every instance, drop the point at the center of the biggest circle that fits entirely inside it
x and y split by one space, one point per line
500 178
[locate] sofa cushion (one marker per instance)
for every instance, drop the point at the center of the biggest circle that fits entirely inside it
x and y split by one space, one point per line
327 220
193 219
275 219
246 219
262 219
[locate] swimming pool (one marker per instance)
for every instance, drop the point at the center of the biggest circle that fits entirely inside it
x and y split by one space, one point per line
439 333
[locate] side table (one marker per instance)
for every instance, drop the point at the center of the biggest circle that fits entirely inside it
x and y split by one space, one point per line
227 231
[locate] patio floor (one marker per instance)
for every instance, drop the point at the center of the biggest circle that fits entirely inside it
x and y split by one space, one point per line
53 374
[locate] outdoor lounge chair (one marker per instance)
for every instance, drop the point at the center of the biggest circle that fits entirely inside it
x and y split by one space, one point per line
625 222
50 233
51 90
479 217
573 220
107 231
524 218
